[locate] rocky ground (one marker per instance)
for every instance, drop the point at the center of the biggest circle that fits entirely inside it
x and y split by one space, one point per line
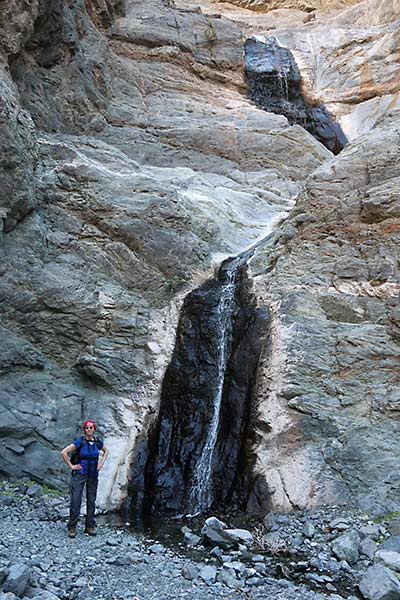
311 555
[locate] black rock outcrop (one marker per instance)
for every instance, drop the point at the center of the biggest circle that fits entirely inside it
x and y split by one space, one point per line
192 382
274 84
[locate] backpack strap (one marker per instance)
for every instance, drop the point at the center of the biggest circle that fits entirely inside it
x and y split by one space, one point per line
77 455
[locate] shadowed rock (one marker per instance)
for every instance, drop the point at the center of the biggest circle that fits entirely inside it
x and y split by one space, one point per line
187 403
274 84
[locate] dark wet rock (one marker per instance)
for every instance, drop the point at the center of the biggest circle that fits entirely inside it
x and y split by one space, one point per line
274 83
194 379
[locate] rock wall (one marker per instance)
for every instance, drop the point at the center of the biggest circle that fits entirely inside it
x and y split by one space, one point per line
132 162
329 392
199 449
303 5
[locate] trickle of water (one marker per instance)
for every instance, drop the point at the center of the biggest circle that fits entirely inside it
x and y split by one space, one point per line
281 72
201 495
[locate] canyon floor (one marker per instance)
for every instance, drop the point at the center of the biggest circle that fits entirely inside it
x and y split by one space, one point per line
308 555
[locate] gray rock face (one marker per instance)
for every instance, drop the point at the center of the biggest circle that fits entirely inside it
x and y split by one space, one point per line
130 161
113 165
379 583
335 288
17 579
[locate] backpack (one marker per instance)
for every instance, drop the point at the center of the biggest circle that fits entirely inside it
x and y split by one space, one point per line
76 456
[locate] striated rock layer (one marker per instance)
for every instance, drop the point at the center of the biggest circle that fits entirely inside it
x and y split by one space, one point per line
329 391
303 5
132 163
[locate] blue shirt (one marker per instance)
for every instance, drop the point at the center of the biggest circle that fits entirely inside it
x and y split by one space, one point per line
88 455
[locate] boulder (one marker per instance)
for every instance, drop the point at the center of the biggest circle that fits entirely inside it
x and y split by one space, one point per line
389 558
392 544
346 546
17 579
219 537
379 583
208 573
241 535
368 547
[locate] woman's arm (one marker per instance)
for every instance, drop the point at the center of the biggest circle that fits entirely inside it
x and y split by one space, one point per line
64 453
104 450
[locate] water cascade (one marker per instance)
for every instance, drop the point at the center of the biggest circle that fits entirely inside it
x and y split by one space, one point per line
201 486
198 452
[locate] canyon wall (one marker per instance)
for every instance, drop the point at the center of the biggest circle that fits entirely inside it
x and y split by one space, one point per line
132 163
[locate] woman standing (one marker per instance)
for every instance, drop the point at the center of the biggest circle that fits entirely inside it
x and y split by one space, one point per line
85 467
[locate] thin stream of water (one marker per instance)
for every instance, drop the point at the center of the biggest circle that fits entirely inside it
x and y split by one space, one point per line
201 496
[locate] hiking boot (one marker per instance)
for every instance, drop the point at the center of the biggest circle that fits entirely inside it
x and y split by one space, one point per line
71 532
90 531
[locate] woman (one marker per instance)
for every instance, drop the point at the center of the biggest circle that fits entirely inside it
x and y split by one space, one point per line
85 467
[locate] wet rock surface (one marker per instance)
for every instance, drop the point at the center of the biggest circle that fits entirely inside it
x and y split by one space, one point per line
274 84
203 382
115 152
128 166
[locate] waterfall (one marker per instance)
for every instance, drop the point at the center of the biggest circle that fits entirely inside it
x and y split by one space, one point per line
197 453
201 493
281 72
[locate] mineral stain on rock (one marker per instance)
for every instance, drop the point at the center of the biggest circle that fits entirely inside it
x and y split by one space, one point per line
197 455
274 84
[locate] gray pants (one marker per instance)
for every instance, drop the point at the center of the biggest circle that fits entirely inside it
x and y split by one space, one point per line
78 482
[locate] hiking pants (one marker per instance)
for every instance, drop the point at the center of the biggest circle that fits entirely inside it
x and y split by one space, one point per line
78 482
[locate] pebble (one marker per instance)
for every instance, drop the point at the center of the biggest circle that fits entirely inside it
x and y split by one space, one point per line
124 565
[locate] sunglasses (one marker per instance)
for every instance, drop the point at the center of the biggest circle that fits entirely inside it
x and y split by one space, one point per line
90 427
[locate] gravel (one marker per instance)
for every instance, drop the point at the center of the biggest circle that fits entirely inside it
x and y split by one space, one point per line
39 561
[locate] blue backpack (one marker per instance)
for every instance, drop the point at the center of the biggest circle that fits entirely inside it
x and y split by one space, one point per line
76 456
